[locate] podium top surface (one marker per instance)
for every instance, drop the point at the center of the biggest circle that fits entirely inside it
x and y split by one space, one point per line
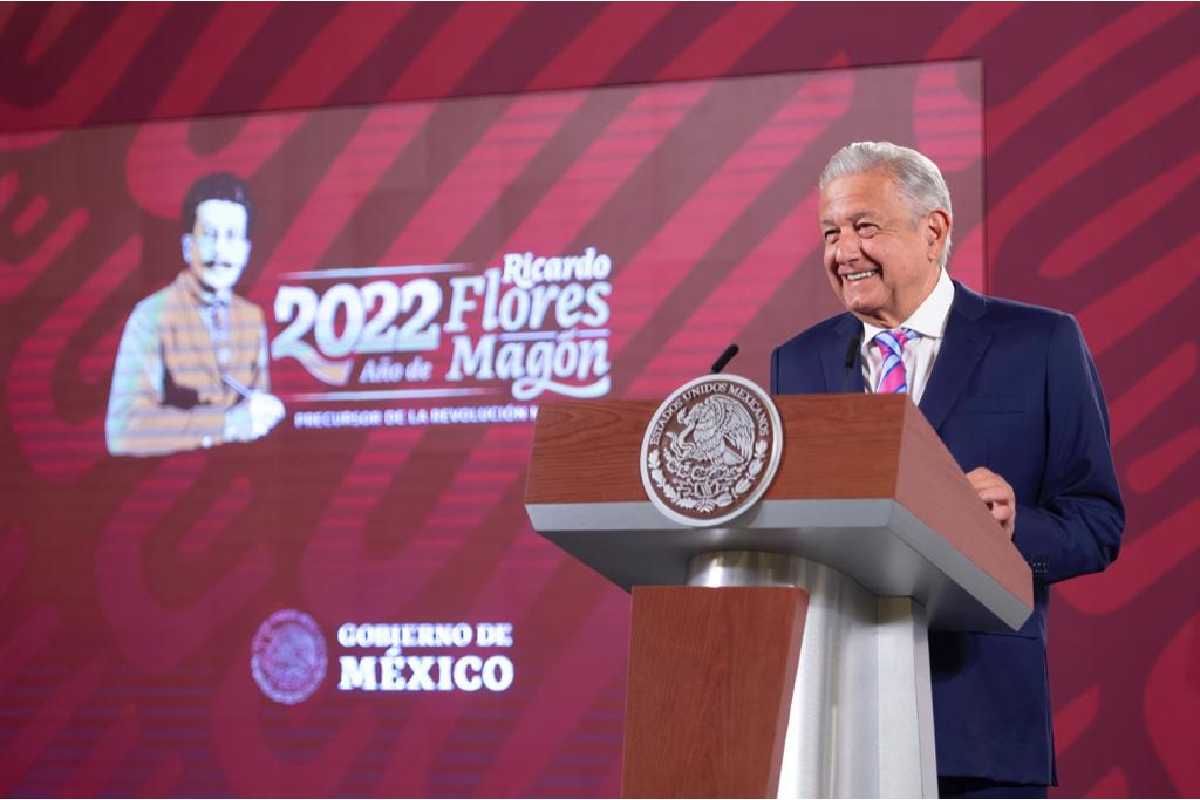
865 486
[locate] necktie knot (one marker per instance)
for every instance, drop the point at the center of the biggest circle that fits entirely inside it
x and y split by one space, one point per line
218 328
892 342
893 378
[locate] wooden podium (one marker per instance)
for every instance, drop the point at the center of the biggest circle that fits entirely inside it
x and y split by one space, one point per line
783 653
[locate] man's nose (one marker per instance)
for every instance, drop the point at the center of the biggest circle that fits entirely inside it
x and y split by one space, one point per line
848 249
227 249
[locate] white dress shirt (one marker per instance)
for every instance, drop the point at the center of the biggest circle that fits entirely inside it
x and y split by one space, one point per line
929 320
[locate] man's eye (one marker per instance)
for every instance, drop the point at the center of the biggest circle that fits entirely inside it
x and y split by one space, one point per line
866 229
831 235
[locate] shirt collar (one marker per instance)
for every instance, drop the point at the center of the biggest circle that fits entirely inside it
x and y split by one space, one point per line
929 319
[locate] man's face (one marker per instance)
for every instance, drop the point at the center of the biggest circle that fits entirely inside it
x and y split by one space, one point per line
880 261
217 248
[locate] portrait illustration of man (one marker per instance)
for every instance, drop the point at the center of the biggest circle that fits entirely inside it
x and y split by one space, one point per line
191 370
1013 392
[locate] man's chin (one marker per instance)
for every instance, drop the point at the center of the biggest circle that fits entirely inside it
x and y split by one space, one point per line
861 303
220 280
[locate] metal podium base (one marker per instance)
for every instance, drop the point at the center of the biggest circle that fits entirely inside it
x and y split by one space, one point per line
861 723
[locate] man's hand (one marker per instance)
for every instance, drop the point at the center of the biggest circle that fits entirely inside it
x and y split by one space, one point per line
999 496
253 418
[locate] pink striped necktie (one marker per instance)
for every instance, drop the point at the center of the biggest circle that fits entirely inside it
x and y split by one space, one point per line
893 379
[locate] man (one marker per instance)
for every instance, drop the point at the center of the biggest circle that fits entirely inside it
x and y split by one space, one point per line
191 369
1012 391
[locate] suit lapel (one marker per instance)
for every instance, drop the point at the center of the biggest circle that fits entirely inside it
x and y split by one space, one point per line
833 359
202 354
962 348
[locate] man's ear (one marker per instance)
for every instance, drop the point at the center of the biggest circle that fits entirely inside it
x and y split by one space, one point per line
937 230
185 242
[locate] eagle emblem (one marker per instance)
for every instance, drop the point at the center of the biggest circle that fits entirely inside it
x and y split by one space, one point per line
716 430
706 453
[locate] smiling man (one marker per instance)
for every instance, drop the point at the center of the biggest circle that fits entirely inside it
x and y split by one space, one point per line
1013 392
191 369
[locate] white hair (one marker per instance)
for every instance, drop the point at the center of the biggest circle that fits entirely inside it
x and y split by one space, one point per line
917 178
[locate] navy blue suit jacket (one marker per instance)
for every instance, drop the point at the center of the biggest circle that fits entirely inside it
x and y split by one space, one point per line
1013 389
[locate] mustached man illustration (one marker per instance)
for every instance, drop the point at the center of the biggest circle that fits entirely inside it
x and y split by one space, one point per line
191 369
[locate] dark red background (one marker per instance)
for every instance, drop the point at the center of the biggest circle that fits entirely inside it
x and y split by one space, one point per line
1090 198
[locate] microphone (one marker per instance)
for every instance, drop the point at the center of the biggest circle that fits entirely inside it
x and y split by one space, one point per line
724 359
852 352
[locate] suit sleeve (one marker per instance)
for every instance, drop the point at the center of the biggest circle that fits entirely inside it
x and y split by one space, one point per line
138 422
1076 524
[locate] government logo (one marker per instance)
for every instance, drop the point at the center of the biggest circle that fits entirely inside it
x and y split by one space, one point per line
288 658
711 450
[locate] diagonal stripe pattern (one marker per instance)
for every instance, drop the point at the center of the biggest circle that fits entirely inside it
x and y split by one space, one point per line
893 379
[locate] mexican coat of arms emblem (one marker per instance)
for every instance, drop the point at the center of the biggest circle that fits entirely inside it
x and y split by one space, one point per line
711 450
